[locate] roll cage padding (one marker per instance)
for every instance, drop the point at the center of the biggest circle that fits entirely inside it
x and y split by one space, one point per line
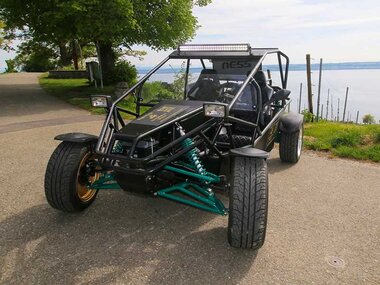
77 138
290 122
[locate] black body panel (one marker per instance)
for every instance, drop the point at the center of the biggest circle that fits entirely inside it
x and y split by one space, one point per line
290 122
164 112
76 138
249 152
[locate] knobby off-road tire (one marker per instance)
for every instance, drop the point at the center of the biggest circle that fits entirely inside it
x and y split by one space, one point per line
248 208
65 182
291 146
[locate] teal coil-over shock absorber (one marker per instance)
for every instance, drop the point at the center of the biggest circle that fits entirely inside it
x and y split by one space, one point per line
193 154
197 194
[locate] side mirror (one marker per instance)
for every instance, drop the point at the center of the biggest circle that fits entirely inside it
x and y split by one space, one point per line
279 95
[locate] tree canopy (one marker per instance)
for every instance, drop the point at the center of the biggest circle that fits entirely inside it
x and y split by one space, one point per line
159 24
2 35
368 119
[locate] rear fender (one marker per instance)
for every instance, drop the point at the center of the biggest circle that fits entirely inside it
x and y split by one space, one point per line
290 122
77 138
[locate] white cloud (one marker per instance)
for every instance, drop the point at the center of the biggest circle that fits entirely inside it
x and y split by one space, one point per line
336 30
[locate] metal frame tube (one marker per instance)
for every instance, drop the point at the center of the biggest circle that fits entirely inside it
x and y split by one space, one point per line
106 124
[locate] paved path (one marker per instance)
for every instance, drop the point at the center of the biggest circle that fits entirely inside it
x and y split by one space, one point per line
321 211
24 103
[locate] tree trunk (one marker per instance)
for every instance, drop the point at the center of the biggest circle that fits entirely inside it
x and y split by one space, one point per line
107 60
75 54
64 54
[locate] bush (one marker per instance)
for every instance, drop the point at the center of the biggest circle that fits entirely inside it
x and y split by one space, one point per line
369 119
38 63
36 57
350 138
308 117
157 90
11 66
377 137
122 72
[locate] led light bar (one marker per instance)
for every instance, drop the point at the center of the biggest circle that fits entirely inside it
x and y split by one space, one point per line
242 49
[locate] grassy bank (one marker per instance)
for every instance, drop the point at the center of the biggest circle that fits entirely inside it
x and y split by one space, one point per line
77 92
74 91
344 140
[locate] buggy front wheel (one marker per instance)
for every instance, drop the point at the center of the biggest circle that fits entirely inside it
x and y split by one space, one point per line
248 208
291 146
69 171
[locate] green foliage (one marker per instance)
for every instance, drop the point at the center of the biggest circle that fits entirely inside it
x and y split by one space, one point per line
158 90
376 137
74 91
344 140
36 57
178 84
162 90
2 26
368 119
308 117
365 153
123 72
158 24
11 66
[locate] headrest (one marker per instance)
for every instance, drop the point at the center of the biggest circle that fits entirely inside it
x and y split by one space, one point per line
260 77
208 71
207 74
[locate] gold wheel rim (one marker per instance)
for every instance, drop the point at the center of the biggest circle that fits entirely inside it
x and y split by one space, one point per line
84 193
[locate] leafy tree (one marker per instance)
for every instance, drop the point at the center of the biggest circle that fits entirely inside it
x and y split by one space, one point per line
110 24
36 57
5 38
11 66
2 26
368 119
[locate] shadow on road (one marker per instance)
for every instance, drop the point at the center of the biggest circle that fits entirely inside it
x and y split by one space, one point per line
276 165
121 238
28 99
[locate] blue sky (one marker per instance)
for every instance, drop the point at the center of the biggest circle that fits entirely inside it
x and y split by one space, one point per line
335 30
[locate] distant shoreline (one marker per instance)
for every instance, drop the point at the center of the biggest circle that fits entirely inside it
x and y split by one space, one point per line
272 67
292 67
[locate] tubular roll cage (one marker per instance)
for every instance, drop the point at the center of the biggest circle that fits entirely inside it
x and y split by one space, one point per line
114 121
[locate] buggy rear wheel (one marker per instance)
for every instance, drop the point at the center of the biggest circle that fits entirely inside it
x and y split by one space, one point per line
291 146
67 175
248 208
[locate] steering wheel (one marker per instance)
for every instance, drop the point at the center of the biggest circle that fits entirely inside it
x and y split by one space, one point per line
227 92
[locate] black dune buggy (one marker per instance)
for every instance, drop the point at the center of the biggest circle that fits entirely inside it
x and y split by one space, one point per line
213 136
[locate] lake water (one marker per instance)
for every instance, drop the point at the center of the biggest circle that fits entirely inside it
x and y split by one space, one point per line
363 95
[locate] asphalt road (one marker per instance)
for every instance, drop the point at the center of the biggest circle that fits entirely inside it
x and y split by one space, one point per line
323 228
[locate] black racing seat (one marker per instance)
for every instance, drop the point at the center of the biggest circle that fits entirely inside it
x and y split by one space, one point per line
266 90
206 88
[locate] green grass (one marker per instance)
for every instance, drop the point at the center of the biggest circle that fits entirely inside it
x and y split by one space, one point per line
76 92
344 140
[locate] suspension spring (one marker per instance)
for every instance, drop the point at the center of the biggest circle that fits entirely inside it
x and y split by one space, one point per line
193 154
